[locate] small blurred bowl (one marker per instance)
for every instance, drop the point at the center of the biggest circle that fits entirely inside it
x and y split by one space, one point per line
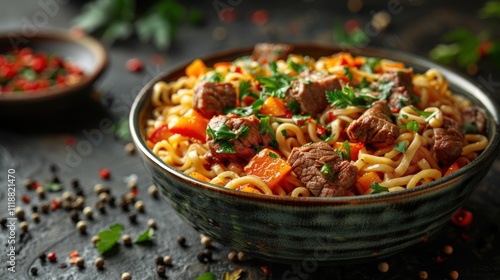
84 51
322 230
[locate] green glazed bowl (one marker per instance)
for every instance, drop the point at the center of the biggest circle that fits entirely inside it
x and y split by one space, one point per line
323 230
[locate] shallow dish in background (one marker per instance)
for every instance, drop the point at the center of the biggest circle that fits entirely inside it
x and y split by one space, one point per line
84 51
326 230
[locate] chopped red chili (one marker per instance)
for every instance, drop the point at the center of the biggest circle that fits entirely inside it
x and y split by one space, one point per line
104 173
462 217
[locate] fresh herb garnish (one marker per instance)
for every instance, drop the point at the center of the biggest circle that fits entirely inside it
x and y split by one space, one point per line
226 147
272 155
299 68
294 106
420 112
275 85
385 89
345 97
223 132
412 126
122 130
109 238
378 188
400 147
53 187
284 132
348 73
147 235
300 119
216 77
207 276
470 128
326 170
370 64
245 91
346 153
266 128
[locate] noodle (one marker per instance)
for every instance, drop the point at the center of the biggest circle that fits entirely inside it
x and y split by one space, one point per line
409 161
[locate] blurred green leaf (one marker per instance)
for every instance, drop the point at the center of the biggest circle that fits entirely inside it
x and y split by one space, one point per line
494 54
146 236
490 10
207 276
196 17
356 38
122 130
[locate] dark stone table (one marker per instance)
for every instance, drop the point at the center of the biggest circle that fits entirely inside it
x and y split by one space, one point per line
41 150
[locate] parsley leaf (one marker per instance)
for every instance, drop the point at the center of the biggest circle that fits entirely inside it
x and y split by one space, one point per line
147 235
385 89
400 147
299 68
266 128
412 126
245 91
272 155
275 85
294 106
378 188
470 128
223 132
326 170
216 77
207 276
121 130
53 187
109 238
347 149
226 147
345 97
370 64
348 73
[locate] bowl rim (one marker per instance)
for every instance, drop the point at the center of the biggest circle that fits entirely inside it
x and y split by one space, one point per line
456 80
58 35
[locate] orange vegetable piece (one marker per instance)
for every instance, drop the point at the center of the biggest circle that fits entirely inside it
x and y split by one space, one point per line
191 124
161 133
453 167
199 176
366 180
224 65
354 147
268 166
196 68
273 106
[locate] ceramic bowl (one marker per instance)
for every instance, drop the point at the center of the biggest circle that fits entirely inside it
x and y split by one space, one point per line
82 50
322 230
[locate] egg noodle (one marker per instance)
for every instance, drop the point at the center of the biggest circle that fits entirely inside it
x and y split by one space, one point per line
408 162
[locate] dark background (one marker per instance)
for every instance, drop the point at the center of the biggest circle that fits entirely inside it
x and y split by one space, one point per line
32 148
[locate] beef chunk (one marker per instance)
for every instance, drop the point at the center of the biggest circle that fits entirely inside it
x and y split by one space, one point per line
374 125
245 145
266 52
310 91
402 88
211 99
307 162
472 116
448 141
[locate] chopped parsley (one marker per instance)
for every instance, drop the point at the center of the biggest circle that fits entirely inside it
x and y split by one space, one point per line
146 236
470 128
272 155
345 97
294 106
109 238
216 77
275 85
370 64
326 170
348 73
297 67
378 188
223 134
245 91
300 119
346 153
412 126
284 132
385 89
400 147
265 128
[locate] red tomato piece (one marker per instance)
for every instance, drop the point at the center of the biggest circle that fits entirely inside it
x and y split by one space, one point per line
462 217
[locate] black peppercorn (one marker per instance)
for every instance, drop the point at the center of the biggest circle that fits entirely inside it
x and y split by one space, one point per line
112 201
34 208
42 257
101 207
124 205
45 207
181 240
75 217
159 261
56 180
75 183
3 223
205 256
161 271
34 271
133 218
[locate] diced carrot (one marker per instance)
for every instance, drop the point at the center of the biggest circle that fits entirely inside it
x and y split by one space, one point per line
161 133
394 64
191 124
347 59
268 166
358 61
199 176
366 180
453 167
196 68
223 65
273 106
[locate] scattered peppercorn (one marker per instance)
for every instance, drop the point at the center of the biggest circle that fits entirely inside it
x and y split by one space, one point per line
152 223
75 216
448 250
232 256
205 240
139 205
130 197
53 168
35 217
34 271
52 257
132 185
42 257
81 226
80 262
127 240
67 196
103 197
205 256
111 201
159 261
95 239
101 207
28 184
153 191
167 260
63 265
88 212
132 218
24 226
383 267
104 173
34 208
44 207
454 275
130 148
75 183
98 188
241 256
181 240
19 211
56 180
3 223
124 205
40 191
99 263
126 276
161 271
423 275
